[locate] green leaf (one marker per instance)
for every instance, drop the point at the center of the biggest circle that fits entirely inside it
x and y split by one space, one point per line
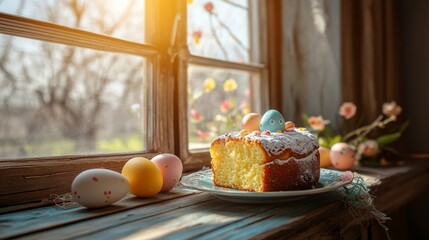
404 126
335 139
387 139
305 118
323 142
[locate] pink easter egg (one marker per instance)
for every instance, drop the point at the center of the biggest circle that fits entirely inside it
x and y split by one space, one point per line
342 156
251 122
171 168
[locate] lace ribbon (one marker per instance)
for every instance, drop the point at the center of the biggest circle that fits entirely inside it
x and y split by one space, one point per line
360 202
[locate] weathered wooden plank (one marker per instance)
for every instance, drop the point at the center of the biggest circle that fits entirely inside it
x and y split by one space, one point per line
24 222
167 223
89 226
241 212
290 219
199 220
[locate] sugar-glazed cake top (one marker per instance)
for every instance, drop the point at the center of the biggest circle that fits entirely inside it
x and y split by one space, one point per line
298 140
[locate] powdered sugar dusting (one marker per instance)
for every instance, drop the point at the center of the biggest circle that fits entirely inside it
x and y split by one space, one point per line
299 141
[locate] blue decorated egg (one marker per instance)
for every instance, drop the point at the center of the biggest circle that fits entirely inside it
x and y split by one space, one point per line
273 121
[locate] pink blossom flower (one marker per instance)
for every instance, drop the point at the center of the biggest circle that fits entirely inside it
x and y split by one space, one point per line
196 36
317 123
225 106
209 7
247 92
369 148
347 110
195 115
202 135
391 109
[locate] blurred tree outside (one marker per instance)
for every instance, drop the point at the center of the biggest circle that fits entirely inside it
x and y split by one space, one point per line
57 99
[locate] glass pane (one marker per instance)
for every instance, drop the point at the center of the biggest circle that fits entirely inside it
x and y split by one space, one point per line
117 18
221 29
61 100
217 101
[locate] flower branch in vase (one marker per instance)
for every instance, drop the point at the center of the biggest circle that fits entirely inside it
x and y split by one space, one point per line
343 151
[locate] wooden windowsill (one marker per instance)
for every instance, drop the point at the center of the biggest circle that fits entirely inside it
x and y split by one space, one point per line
188 214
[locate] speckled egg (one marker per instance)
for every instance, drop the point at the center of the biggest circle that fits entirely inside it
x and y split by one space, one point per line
95 188
342 156
144 177
171 168
251 122
273 121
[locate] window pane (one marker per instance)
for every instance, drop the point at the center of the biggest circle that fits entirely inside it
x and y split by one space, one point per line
61 100
217 101
118 18
221 29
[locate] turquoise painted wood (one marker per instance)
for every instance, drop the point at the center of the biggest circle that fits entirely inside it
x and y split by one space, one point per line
184 214
27 221
103 224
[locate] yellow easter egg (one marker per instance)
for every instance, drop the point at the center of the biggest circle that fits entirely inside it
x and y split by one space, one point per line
325 159
144 177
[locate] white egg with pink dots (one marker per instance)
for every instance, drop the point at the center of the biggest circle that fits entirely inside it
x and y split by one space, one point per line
95 188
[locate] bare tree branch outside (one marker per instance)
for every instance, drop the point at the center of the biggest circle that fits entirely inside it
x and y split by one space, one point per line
57 99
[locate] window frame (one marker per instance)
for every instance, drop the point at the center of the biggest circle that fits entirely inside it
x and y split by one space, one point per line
30 182
268 25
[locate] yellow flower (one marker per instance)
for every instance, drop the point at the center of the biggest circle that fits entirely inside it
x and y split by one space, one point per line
209 85
196 35
220 118
230 85
190 1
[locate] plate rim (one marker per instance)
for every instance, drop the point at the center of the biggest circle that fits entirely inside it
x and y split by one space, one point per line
229 192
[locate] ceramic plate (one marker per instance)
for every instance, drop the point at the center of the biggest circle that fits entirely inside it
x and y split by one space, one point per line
329 180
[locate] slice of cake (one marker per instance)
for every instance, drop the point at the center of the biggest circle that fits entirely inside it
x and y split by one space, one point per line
266 161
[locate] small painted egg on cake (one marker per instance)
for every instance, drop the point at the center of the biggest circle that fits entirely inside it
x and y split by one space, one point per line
250 122
273 121
289 125
95 188
171 168
342 156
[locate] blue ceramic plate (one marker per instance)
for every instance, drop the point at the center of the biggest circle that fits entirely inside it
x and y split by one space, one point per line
329 180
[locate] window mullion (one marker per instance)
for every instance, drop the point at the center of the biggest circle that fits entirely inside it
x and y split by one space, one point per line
211 62
39 30
159 28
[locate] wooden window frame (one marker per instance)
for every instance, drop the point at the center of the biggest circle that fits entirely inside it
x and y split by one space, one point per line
269 70
29 182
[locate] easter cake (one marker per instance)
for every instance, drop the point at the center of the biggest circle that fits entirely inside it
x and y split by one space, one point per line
274 156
